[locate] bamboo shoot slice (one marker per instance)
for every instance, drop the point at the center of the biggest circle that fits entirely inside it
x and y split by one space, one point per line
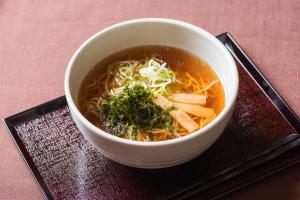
195 109
179 115
189 98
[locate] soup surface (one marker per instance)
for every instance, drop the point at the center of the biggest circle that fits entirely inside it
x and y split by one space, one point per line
151 93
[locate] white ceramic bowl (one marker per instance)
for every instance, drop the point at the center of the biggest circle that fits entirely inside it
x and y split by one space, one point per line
152 31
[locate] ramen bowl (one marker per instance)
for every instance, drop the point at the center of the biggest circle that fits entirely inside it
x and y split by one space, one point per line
152 31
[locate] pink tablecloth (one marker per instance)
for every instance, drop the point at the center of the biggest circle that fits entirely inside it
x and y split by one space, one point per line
37 39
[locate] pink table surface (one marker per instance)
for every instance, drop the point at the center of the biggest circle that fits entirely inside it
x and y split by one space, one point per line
37 38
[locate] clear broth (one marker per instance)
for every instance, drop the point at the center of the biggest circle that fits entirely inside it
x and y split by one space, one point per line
180 61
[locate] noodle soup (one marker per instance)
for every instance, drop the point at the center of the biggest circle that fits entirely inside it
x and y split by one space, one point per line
151 93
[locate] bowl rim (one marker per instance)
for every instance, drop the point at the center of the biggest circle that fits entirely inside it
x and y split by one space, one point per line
228 105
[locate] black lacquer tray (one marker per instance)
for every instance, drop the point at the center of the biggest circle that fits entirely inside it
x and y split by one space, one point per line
262 138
